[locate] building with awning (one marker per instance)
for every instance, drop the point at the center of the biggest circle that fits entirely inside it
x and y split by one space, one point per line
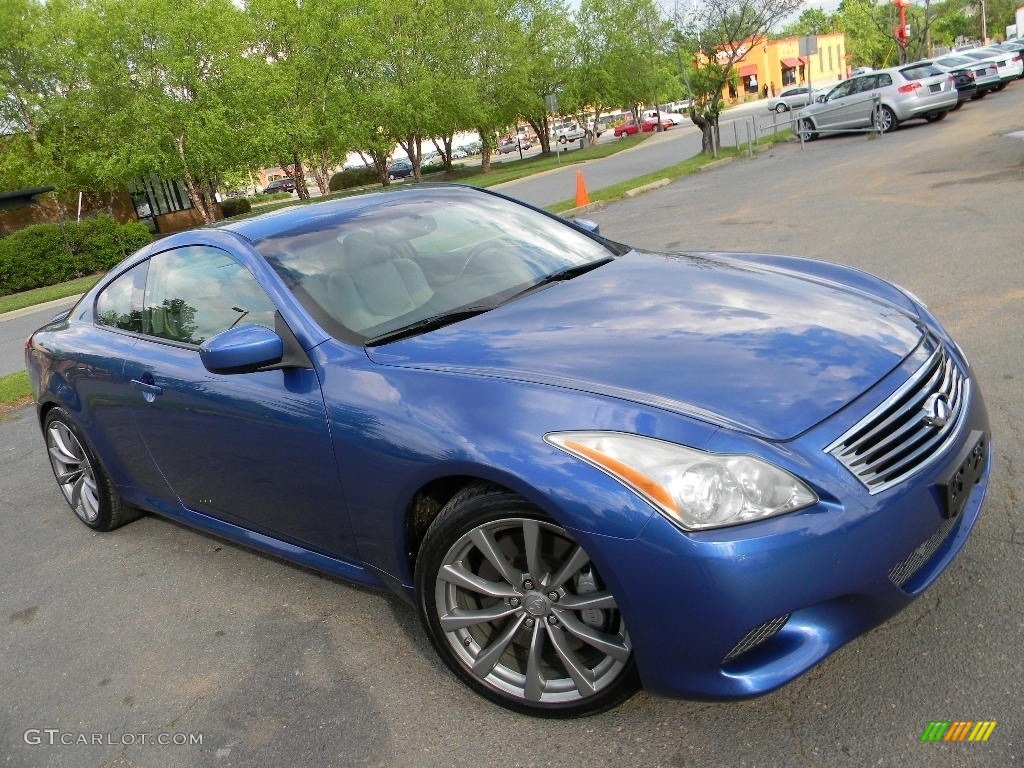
767 66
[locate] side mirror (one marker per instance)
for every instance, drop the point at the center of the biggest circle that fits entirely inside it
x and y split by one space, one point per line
244 349
588 225
822 99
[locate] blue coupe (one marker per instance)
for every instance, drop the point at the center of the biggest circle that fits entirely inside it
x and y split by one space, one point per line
589 467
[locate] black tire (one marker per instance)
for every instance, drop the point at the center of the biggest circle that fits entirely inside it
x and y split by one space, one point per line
530 624
936 117
781 107
86 486
805 128
885 119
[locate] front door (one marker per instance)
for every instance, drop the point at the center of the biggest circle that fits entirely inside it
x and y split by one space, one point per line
253 449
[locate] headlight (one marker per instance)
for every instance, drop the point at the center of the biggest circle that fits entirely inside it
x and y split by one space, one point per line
694 489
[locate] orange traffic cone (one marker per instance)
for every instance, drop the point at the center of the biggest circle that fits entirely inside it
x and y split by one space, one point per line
582 198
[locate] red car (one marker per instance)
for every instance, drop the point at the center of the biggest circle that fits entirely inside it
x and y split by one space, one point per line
651 123
627 128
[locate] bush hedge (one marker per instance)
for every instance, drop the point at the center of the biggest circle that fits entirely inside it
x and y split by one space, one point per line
47 254
235 205
353 177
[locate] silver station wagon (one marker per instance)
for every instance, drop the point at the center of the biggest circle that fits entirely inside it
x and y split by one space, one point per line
883 98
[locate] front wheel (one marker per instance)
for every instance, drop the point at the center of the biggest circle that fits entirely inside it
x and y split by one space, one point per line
81 478
515 607
936 117
885 119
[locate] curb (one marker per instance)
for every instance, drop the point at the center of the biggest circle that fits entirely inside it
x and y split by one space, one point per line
66 302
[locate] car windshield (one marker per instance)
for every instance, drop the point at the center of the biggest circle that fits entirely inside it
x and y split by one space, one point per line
955 61
420 259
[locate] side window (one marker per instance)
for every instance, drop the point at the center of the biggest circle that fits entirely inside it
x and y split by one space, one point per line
884 79
843 89
119 305
196 292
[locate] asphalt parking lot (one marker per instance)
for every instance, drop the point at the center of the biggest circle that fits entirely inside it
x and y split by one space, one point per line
124 650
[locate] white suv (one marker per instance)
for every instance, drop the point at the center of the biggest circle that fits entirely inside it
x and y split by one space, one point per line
567 132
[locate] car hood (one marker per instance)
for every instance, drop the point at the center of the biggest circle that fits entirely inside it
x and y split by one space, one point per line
746 346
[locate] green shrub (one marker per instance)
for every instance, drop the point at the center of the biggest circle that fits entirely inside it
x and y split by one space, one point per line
234 206
353 177
47 254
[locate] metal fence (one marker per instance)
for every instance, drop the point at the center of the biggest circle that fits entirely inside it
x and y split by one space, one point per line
747 131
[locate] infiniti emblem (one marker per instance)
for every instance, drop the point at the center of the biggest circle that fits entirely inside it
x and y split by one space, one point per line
936 410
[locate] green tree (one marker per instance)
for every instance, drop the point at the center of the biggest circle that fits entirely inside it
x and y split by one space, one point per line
622 61
711 40
161 91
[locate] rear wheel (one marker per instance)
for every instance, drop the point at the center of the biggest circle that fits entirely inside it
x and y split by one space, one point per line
781 107
517 610
805 129
81 478
885 119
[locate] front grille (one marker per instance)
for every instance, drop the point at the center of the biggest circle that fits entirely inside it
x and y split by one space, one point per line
906 568
894 441
756 636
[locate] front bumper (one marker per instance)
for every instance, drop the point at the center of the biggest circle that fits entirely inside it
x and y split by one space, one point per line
740 611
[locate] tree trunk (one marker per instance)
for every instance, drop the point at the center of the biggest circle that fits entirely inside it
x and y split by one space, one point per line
485 150
299 177
191 184
541 128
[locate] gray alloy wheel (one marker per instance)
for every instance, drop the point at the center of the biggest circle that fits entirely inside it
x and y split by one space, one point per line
781 107
516 608
81 478
885 119
805 129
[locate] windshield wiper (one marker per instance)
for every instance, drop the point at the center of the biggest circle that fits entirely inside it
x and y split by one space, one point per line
566 274
427 324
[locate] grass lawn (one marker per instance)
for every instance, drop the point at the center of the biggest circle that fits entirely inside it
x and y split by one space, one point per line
48 293
14 391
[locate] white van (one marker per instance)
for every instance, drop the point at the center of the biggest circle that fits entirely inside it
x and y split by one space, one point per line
675 117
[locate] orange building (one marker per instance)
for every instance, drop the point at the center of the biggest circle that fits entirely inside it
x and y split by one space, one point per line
771 65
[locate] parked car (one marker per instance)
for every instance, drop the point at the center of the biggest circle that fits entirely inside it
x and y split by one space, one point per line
279 185
567 132
513 144
674 117
400 168
963 78
911 91
1009 63
628 128
986 73
794 97
1014 46
420 390
651 124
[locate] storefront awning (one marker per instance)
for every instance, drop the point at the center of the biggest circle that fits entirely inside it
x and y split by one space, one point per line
792 63
747 71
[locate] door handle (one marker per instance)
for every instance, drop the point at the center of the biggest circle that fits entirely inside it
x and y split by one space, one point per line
149 391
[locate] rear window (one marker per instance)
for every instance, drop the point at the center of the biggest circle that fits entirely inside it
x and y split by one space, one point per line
920 71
